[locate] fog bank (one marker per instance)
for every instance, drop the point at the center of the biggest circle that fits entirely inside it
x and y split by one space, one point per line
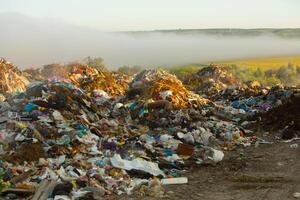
28 42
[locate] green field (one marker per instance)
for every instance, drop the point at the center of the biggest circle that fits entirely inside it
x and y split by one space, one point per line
268 71
264 63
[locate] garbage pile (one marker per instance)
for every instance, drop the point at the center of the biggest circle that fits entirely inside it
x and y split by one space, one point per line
154 85
284 118
253 101
87 136
276 107
242 90
50 133
74 138
210 80
237 100
90 79
12 79
83 76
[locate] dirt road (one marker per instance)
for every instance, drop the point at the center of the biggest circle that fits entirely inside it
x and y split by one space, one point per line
268 172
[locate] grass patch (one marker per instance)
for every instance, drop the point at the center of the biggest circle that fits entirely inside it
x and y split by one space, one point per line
263 63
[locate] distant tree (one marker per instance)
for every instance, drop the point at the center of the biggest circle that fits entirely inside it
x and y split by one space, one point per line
124 69
258 72
282 73
58 70
272 81
233 67
290 66
96 63
287 74
269 73
298 70
129 70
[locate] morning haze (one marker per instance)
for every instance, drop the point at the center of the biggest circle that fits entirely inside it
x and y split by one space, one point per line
33 42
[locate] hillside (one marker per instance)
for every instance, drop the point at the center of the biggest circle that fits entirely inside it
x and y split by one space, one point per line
280 32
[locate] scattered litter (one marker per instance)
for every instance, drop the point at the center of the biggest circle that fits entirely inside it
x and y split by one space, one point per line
296 195
294 146
171 181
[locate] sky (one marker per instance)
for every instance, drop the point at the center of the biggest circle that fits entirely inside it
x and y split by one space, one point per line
138 15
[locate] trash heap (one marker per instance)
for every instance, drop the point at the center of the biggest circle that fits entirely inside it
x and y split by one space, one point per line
234 100
87 136
12 80
251 102
122 79
90 79
43 132
210 80
74 139
285 118
242 90
155 85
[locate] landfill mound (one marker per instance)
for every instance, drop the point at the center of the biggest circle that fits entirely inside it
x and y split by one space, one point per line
211 80
160 85
58 95
90 79
57 139
85 135
81 75
268 99
12 79
284 118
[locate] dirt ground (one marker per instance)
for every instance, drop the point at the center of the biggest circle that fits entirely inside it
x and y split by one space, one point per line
267 172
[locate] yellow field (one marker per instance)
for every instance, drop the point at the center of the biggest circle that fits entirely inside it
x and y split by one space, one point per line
266 63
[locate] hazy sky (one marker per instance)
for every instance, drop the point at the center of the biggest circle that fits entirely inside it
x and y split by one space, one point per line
123 15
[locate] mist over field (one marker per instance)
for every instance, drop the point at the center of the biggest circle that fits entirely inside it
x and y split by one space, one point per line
29 42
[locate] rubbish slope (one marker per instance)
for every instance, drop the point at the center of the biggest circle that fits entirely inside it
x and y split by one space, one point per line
89 135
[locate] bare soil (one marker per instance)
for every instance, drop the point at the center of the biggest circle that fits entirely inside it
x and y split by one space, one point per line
268 172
